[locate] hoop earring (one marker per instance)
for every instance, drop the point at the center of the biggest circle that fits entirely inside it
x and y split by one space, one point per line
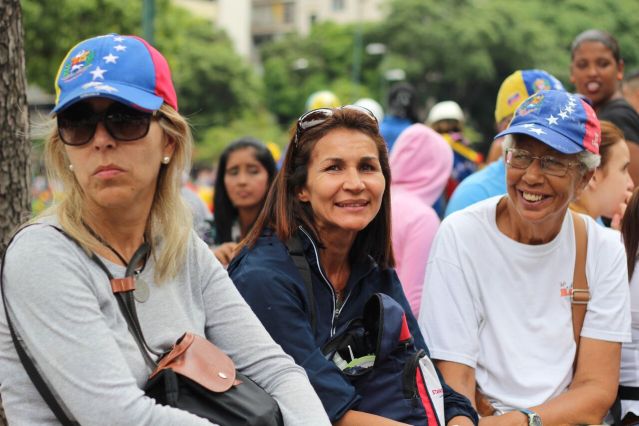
166 159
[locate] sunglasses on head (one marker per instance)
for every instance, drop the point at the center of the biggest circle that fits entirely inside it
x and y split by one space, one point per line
318 116
77 124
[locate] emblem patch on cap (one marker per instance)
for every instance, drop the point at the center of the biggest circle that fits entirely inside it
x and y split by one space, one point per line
530 105
541 84
77 65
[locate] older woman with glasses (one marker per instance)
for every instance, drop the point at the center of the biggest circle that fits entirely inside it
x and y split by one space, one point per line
119 149
503 274
332 198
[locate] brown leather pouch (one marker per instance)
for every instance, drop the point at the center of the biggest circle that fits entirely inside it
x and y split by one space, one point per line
201 361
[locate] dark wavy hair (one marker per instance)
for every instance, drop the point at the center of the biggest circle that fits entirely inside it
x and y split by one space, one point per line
630 231
599 36
225 211
283 212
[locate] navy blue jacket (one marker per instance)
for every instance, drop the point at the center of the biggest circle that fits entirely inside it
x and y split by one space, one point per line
272 285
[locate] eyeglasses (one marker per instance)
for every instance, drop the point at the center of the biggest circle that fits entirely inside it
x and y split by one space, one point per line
77 124
522 159
318 116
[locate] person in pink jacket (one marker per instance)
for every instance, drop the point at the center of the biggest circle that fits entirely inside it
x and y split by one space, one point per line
421 163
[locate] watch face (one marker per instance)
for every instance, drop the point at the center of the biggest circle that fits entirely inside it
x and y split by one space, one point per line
534 420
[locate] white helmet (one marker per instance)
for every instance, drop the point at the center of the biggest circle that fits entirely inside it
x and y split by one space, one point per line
446 110
373 106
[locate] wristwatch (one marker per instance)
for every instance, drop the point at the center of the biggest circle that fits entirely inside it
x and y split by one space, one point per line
533 418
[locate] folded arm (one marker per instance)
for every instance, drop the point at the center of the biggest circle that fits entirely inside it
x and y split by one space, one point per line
586 401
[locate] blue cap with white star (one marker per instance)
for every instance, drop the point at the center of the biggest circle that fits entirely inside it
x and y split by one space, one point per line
561 120
126 69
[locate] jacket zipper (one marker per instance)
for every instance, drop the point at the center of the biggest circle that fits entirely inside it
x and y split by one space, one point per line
335 313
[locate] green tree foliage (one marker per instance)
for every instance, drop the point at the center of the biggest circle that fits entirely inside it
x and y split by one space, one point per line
455 49
52 27
472 45
259 124
328 52
213 83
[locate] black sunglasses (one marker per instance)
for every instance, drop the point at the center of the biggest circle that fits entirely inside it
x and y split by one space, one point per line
318 116
77 124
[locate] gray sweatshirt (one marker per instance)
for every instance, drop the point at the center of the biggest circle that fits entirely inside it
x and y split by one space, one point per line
61 304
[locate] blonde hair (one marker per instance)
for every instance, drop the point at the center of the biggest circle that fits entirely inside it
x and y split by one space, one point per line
169 224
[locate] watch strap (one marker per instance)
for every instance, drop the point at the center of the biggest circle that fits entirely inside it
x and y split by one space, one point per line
533 418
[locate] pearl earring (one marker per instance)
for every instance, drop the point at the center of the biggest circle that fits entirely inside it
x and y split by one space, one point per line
71 167
166 159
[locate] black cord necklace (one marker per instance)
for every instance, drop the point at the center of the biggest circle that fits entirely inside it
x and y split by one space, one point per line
142 291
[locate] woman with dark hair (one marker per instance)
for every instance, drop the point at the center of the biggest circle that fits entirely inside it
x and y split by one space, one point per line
596 70
332 196
244 175
610 188
629 374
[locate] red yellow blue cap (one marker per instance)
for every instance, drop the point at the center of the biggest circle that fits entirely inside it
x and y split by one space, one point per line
126 69
561 120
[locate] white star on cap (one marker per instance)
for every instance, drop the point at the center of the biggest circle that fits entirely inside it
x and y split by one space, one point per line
552 120
110 58
98 73
118 39
120 48
563 114
537 130
570 108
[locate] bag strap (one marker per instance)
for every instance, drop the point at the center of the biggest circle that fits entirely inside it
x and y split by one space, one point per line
123 291
296 251
580 295
59 410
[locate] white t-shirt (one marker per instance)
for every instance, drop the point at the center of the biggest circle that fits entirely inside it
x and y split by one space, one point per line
503 307
629 375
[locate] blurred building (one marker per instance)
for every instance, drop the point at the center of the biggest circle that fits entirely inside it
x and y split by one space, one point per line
250 23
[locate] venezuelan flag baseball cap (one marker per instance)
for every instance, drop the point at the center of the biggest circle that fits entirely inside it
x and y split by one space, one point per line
126 69
561 120
518 86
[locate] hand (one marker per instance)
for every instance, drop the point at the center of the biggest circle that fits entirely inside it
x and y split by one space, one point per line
514 418
615 222
225 252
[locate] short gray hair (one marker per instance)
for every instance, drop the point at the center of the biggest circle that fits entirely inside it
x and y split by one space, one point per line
588 160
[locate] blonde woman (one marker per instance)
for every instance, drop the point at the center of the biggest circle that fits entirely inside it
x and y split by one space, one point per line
119 149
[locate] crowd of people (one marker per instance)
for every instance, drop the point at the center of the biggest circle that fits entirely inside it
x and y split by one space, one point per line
513 274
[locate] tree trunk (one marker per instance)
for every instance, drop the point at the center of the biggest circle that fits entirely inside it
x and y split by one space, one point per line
15 147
